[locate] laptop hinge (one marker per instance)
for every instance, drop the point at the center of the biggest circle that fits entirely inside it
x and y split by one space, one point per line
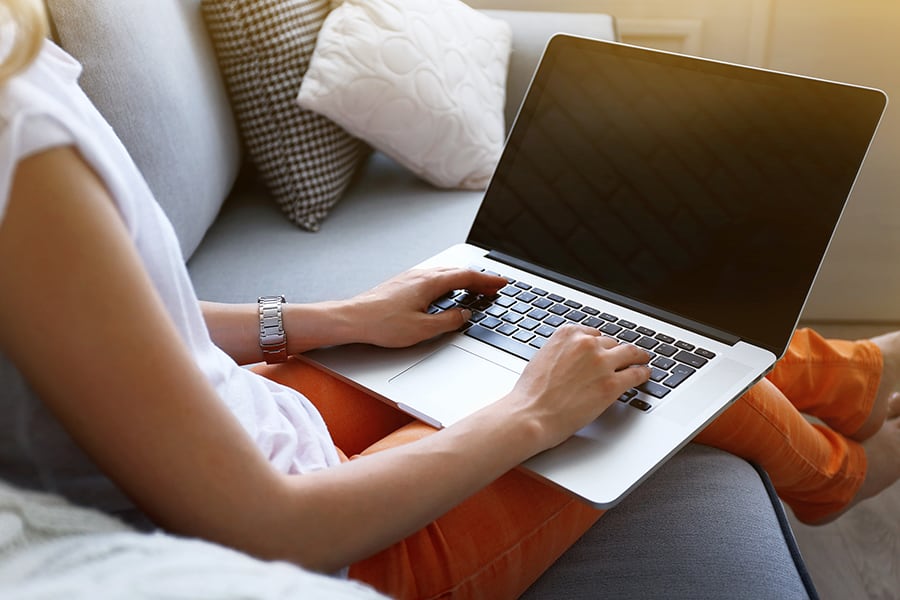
677 320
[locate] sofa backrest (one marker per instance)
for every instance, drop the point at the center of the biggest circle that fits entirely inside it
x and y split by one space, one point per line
530 36
150 69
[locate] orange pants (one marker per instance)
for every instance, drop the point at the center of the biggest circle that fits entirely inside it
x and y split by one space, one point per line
496 543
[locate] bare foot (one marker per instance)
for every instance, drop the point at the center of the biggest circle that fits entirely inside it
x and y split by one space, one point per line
883 454
889 344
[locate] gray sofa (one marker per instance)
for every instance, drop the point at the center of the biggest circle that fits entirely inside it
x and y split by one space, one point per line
706 525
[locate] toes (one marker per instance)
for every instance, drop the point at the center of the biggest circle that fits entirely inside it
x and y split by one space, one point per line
893 406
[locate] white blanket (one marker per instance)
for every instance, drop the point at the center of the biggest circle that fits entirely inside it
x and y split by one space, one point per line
52 549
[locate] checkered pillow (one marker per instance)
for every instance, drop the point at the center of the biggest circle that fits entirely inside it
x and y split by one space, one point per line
264 47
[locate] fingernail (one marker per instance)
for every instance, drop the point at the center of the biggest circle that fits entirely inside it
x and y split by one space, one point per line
466 313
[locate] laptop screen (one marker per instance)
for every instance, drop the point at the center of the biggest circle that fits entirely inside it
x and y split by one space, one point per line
706 190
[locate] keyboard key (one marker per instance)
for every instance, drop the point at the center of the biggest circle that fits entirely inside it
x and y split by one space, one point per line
555 297
591 311
690 359
507 329
626 324
611 329
521 307
490 322
628 395
646 331
665 339
704 353
684 345
526 297
647 343
528 324
608 317
593 322
679 374
523 336
628 335
523 285
638 403
575 316
502 342
554 321
444 303
558 309
512 317
545 330
663 363
658 375
573 304
665 349
504 301
496 311
538 291
481 303
509 290
652 389
542 303
538 314
538 342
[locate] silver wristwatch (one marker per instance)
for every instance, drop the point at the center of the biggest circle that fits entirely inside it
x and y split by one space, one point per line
272 340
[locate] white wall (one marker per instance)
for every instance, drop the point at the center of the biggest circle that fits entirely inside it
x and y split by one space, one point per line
857 41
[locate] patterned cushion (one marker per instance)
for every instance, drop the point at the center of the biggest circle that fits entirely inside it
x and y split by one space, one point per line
264 47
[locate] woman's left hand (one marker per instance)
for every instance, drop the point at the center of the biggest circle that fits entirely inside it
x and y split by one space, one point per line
394 313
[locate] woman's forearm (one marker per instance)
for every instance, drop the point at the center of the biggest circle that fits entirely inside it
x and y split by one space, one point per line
356 509
235 327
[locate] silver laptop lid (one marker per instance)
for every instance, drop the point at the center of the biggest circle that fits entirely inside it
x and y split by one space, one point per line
703 192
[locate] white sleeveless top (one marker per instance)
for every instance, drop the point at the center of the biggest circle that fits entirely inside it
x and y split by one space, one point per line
41 108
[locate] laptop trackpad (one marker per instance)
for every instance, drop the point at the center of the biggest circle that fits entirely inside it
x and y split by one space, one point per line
450 384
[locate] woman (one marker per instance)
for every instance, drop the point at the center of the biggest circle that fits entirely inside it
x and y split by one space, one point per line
145 380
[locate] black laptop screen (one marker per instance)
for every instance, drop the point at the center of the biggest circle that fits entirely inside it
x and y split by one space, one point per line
706 190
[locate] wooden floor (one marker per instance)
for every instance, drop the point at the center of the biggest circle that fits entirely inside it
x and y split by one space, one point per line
857 557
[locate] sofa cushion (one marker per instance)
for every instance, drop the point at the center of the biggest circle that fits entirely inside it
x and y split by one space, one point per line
424 81
151 71
387 222
264 47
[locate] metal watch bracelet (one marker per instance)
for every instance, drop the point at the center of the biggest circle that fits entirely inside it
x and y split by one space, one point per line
272 339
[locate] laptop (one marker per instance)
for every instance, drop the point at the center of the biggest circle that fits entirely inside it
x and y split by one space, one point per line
677 203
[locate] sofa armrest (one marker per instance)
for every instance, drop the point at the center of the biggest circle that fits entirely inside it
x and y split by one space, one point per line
706 525
531 32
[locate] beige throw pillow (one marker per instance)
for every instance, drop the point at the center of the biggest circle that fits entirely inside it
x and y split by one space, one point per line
424 81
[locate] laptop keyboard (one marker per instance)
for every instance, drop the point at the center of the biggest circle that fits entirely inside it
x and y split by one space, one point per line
521 317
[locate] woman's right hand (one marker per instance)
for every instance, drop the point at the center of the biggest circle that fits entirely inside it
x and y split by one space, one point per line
577 375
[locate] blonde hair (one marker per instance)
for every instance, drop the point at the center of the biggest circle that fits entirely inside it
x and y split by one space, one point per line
26 22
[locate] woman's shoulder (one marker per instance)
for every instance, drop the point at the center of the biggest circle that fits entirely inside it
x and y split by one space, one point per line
44 87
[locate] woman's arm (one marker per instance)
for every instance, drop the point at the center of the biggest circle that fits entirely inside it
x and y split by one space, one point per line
392 314
82 321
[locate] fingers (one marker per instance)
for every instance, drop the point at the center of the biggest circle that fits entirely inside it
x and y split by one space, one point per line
628 355
447 320
632 376
446 279
627 362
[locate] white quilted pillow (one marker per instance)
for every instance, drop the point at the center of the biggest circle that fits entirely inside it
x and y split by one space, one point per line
424 81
